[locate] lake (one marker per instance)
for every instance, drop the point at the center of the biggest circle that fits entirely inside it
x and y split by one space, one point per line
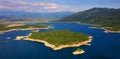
103 45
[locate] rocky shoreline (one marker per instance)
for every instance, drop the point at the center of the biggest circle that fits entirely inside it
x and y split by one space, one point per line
53 46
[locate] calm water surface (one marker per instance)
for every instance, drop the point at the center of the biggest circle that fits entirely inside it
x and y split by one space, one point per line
104 45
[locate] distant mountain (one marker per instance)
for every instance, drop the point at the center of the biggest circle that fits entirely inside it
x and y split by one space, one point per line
94 14
104 16
7 14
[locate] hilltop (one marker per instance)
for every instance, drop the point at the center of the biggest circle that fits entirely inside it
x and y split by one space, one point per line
106 17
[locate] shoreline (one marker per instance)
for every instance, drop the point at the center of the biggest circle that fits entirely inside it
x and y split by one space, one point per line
2 32
53 46
106 30
109 31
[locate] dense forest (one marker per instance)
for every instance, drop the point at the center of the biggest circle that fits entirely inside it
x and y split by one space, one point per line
60 37
106 17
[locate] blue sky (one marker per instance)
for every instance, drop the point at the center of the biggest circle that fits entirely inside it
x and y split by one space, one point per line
56 5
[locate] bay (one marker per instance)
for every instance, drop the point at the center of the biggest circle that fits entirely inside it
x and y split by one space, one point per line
103 45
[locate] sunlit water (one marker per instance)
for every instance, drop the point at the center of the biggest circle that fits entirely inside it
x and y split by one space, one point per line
104 45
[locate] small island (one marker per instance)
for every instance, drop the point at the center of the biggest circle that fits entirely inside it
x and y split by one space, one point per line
58 39
78 51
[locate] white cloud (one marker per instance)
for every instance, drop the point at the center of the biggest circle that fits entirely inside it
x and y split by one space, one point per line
31 6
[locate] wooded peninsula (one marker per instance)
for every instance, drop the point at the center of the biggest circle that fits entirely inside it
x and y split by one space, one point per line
11 27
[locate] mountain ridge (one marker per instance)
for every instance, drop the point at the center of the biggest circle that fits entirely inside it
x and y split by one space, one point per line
8 15
106 17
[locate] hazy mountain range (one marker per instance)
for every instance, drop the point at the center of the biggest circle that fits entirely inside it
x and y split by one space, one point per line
17 15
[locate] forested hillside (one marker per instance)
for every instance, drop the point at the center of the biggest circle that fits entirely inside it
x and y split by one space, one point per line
106 17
